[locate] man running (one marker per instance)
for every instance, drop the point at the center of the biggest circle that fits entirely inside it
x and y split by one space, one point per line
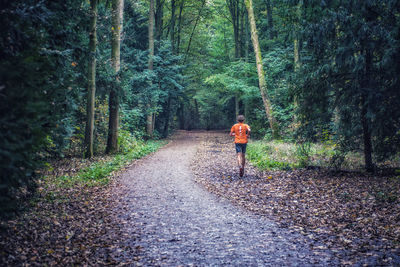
241 131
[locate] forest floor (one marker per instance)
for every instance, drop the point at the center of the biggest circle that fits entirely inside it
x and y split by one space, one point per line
355 215
157 212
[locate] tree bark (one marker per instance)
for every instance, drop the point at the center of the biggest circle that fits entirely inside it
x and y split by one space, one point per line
181 6
116 22
172 25
150 117
236 105
168 111
91 80
272 32
366 83
296 42
234 9
159 19
260 70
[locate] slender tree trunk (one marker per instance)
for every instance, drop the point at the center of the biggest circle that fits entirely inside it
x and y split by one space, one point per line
116 22
272 32
246 59
242 31
197 114
247 41
236 105
366 83
166 125
296 42
296 52
172 25
159 19
181 6
91 80
233 6
150 123
194 28
181 116
260 70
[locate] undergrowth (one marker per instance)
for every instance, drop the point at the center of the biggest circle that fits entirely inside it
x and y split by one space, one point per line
280 155
99 173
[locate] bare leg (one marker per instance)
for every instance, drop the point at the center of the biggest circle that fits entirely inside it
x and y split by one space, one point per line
243 159
239 158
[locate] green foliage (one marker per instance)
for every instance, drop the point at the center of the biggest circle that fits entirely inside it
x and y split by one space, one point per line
259 155
303 151
99 173
39 89
349 74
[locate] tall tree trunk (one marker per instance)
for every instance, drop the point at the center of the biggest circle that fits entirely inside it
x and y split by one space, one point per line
272 32
197 113
236 105
167 115
234 9
181 6
260 70
150 123
116 22
296 41
194 28
159 19
247 41
366 84
91 80
172 25
242 32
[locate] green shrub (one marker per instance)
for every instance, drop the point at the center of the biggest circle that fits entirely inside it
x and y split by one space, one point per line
303 153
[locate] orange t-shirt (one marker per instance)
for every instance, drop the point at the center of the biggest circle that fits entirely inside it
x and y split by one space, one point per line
240 130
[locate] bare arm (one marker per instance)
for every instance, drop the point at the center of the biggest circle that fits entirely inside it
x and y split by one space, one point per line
248 132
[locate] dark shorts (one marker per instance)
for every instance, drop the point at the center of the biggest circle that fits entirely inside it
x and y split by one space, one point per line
240 148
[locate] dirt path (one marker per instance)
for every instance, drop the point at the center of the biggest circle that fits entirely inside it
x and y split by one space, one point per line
171 220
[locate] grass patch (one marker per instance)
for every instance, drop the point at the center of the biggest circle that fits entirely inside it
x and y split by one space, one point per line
279 155
98 173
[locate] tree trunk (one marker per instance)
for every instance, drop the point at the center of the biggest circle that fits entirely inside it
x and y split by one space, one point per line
166 125
172 25
296 53
242 31
233 6
91 80
260 70
181 116
272 32
236 105
116 28
194 28
179 26
159 19
150 123
247 41
366 83
197 113
296 42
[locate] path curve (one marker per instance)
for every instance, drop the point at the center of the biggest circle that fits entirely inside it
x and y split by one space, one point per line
172 221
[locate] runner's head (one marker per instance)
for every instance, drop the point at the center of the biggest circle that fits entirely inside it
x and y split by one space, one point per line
240 118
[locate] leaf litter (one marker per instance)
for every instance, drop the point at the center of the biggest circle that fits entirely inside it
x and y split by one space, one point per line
67 226
355 215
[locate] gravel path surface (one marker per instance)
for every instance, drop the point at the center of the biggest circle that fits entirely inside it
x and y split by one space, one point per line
173 221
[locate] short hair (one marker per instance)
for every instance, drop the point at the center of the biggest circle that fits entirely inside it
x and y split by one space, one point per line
240 118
